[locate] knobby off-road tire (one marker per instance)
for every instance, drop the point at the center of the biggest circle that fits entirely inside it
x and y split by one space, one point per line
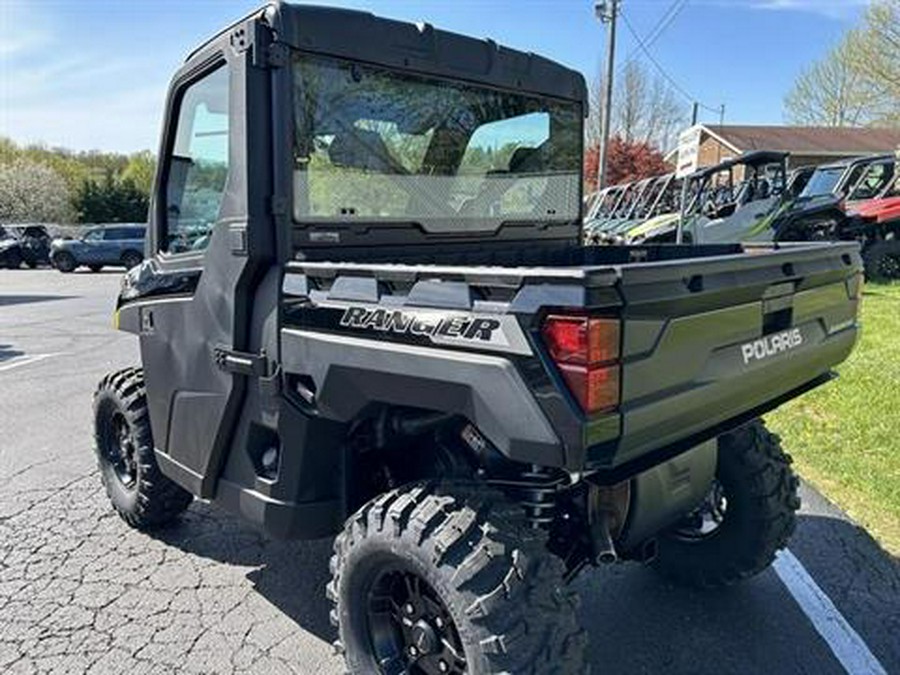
882 260
138 490
480 569
759 517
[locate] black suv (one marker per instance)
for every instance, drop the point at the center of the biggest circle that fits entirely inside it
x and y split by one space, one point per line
29 244
121 245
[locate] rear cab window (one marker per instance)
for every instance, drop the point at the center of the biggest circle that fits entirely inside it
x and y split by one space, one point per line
381 146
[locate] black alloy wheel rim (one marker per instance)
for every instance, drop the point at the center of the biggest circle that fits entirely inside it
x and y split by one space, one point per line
706 520
889 267
119 451
410 629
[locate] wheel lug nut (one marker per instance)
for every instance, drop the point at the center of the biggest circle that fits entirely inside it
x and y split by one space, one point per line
409 609
442 666
413 651
439 622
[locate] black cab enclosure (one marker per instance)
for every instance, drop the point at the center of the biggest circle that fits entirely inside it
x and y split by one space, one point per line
366 310
355 215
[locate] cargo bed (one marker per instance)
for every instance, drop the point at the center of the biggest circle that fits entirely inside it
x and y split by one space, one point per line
710 336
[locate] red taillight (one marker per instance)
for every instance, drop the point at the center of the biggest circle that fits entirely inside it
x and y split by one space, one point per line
586 350
581 340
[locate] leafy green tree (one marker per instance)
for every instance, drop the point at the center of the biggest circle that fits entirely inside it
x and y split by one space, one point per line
140 170
111 201
98 186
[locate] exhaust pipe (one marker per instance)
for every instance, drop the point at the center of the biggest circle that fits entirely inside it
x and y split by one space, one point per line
604 548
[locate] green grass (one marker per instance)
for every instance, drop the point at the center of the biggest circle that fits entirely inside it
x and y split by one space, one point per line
845 436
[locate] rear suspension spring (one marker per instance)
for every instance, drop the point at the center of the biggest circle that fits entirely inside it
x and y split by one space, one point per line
536 490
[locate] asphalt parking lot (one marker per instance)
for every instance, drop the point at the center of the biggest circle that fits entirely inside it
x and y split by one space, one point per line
81 592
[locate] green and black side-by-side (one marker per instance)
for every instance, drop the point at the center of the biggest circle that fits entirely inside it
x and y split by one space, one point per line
365 311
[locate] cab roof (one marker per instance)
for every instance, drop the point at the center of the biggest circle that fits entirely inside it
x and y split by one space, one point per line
420 48
752 158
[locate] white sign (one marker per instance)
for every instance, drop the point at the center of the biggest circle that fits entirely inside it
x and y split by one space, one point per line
688 151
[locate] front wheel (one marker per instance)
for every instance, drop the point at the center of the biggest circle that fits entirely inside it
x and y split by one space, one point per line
748 515
450 580
65 262
138 490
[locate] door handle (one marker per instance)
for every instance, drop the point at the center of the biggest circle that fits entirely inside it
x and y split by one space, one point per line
237 235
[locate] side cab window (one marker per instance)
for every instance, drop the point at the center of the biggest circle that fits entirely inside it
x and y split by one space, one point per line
197 164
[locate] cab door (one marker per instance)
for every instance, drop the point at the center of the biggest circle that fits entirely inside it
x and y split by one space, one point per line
210 233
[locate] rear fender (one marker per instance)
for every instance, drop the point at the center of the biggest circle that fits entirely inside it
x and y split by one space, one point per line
350 373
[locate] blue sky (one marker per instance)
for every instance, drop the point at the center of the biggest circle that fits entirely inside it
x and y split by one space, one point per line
92 74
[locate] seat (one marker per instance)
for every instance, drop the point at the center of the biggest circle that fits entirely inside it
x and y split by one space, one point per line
362 149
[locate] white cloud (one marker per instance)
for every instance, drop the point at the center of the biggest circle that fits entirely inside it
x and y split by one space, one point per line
833 9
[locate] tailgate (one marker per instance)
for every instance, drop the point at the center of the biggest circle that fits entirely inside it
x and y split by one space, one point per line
707 342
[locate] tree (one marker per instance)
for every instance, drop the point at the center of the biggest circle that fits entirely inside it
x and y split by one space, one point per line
831 92
626 161
876 55
645 109
111 201
858 81
140 170
32 192
99 186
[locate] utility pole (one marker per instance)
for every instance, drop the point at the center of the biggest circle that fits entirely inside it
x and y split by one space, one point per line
694 114
721 123
607 12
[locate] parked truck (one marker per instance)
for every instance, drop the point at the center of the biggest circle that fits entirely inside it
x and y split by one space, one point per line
366 311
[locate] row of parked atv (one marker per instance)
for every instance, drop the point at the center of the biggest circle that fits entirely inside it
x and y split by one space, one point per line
754 198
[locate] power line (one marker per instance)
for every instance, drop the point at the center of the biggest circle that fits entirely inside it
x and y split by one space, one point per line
656 32
664 21
662 71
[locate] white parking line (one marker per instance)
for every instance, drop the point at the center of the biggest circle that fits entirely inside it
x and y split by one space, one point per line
24 361
846 644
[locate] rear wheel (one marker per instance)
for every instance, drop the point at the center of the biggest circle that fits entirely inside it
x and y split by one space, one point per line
13 260
748 515
131 259
450 580
882 260
138 490
65 262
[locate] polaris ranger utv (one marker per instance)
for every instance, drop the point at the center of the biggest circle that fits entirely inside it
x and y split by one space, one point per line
366 311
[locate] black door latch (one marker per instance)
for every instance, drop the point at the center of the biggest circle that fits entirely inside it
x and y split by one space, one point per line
242 363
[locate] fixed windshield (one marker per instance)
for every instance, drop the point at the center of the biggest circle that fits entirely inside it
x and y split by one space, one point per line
376 145
823 181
